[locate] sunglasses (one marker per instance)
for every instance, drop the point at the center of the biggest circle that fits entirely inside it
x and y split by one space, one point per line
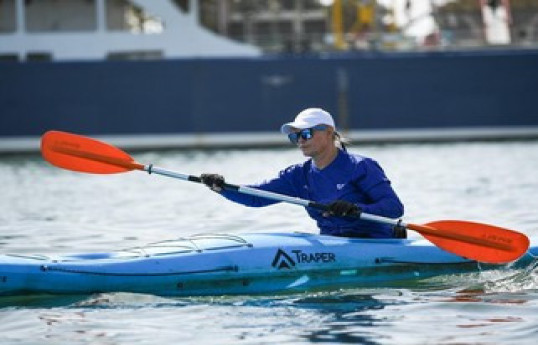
306 133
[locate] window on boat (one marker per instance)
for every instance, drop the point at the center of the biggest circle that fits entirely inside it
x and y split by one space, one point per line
38 56
122 15
60 16
78 15
7 16
9 58
136 55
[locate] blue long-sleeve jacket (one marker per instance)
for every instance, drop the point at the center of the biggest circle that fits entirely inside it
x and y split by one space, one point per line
353 178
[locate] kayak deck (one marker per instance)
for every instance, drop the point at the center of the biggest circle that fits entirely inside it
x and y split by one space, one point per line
219 264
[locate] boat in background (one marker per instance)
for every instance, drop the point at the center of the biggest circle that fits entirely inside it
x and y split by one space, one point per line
99 30
183 86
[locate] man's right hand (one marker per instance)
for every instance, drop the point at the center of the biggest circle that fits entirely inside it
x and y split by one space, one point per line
214 181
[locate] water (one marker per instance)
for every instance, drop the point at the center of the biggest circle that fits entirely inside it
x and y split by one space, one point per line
48 210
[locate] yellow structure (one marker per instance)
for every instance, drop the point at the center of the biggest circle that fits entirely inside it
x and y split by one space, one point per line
338 25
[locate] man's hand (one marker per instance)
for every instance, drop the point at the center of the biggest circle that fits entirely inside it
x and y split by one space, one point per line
341 208
213 181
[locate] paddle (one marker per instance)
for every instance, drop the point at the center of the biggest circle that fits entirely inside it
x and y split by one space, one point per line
481 242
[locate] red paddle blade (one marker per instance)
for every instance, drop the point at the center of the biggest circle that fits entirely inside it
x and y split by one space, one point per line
83 154
476 241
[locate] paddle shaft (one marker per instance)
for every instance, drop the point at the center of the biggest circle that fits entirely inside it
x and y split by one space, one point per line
241 189
424 229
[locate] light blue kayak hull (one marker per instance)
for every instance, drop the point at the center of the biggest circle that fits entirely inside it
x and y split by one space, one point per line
237 264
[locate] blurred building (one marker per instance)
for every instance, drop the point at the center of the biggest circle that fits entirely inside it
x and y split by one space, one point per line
275 26
309 25
463 24
295 26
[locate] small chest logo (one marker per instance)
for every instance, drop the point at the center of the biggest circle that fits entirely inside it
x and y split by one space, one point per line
340 186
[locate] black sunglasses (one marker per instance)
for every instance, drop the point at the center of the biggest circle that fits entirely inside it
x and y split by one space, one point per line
306 133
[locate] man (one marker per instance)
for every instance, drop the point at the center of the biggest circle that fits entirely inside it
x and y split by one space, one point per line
349 184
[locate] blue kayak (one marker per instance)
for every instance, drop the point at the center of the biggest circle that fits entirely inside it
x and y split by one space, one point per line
255 263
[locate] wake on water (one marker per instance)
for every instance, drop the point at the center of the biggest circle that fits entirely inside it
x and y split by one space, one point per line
512 281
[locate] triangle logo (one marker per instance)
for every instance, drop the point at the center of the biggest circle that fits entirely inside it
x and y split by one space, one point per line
282 260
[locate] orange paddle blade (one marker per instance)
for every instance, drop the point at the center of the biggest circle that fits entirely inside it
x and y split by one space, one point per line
79 153
476 241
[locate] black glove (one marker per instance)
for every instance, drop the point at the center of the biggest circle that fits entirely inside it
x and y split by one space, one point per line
341 208
213 181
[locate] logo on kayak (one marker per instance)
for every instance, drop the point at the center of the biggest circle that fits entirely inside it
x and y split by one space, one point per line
287 261
282 260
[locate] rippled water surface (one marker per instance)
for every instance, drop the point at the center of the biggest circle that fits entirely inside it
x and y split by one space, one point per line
47 210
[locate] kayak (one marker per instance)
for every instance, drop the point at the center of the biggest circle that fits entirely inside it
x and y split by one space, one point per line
238 264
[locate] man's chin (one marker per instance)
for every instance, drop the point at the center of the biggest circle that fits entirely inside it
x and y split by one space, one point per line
306 153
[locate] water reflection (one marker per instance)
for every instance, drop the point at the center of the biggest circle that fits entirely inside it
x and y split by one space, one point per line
353 317
481 296
359 316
